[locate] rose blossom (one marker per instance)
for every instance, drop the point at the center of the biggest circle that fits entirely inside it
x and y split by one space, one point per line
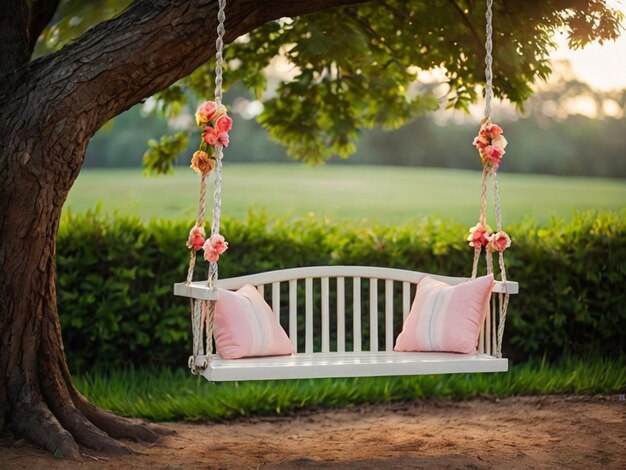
222 138
492 153
493 130
214 247
210 135
499 143
224 123
499 241
196 238
218 242
206 112
202 163
479 235
211 255
480 142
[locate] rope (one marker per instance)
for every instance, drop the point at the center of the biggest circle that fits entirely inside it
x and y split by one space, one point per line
482 220
199 222
196 321
488 59
504 299
219 51
210 317
217 210
203 312
489 172
477 250
219 151
496 202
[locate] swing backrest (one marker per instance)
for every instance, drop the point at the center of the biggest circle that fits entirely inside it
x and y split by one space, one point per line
350 308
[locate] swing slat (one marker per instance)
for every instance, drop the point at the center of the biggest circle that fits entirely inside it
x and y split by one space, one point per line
341 314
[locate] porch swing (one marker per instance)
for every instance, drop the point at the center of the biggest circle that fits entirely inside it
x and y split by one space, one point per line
453 324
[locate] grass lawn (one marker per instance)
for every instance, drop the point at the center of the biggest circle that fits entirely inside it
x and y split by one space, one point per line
387 195
164 395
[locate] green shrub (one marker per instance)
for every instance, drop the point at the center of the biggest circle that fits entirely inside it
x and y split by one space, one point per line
116 275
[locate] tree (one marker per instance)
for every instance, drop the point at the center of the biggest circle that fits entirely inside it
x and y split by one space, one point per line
50 106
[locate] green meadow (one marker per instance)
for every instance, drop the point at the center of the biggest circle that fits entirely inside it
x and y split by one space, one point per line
386 195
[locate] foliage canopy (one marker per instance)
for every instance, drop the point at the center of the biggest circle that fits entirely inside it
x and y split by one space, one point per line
365 65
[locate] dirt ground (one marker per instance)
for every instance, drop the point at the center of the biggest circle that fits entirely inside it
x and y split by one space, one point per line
514 433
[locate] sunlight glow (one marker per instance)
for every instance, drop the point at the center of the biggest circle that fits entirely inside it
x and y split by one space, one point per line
602 66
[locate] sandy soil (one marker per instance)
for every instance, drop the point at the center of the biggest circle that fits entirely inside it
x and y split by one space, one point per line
514 433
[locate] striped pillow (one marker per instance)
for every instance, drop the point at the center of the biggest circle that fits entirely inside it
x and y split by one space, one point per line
444 317
245 326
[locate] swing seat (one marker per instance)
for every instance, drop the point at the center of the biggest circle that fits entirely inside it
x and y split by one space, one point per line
334 364
360 302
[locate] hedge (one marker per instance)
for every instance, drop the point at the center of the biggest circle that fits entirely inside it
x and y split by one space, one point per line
115 277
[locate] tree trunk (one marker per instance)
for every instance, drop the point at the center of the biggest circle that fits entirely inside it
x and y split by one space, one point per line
37 398
49 109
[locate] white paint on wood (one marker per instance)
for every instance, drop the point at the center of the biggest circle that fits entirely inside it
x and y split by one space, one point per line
350 364
293 313
356 314
276 299
388 315
341 314
373 315
356 363
325 316
406 300
308 315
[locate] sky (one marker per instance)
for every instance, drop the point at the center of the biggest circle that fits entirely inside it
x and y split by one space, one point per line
602 66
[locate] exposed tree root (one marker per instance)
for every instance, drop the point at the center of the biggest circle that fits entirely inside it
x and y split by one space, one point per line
37 424
51 413
119 427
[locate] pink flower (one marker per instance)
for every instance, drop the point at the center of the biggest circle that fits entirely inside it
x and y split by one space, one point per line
499 143
211 255
214 247
493 130
196 238
480 142
218 242
221 109
499 241
222 139
206 112
490 144
224 123
493 154
214 137
210 136
479 235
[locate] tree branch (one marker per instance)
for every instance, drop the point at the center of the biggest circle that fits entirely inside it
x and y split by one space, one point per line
14 52
42 12
152 44
371 32
478 42
21 24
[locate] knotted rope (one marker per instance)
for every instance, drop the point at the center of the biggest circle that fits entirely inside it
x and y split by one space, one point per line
202 311
490 166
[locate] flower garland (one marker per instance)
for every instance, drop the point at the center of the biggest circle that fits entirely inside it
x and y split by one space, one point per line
481 236
490 143
216 125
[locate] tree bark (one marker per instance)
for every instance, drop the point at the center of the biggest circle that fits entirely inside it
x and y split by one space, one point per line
49 109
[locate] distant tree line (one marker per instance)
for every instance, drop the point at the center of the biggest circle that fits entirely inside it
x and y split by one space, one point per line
553 142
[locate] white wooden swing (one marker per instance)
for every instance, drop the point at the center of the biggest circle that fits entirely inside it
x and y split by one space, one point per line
349 299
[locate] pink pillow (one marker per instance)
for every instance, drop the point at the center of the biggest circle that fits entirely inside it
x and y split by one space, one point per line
245 326
446 318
